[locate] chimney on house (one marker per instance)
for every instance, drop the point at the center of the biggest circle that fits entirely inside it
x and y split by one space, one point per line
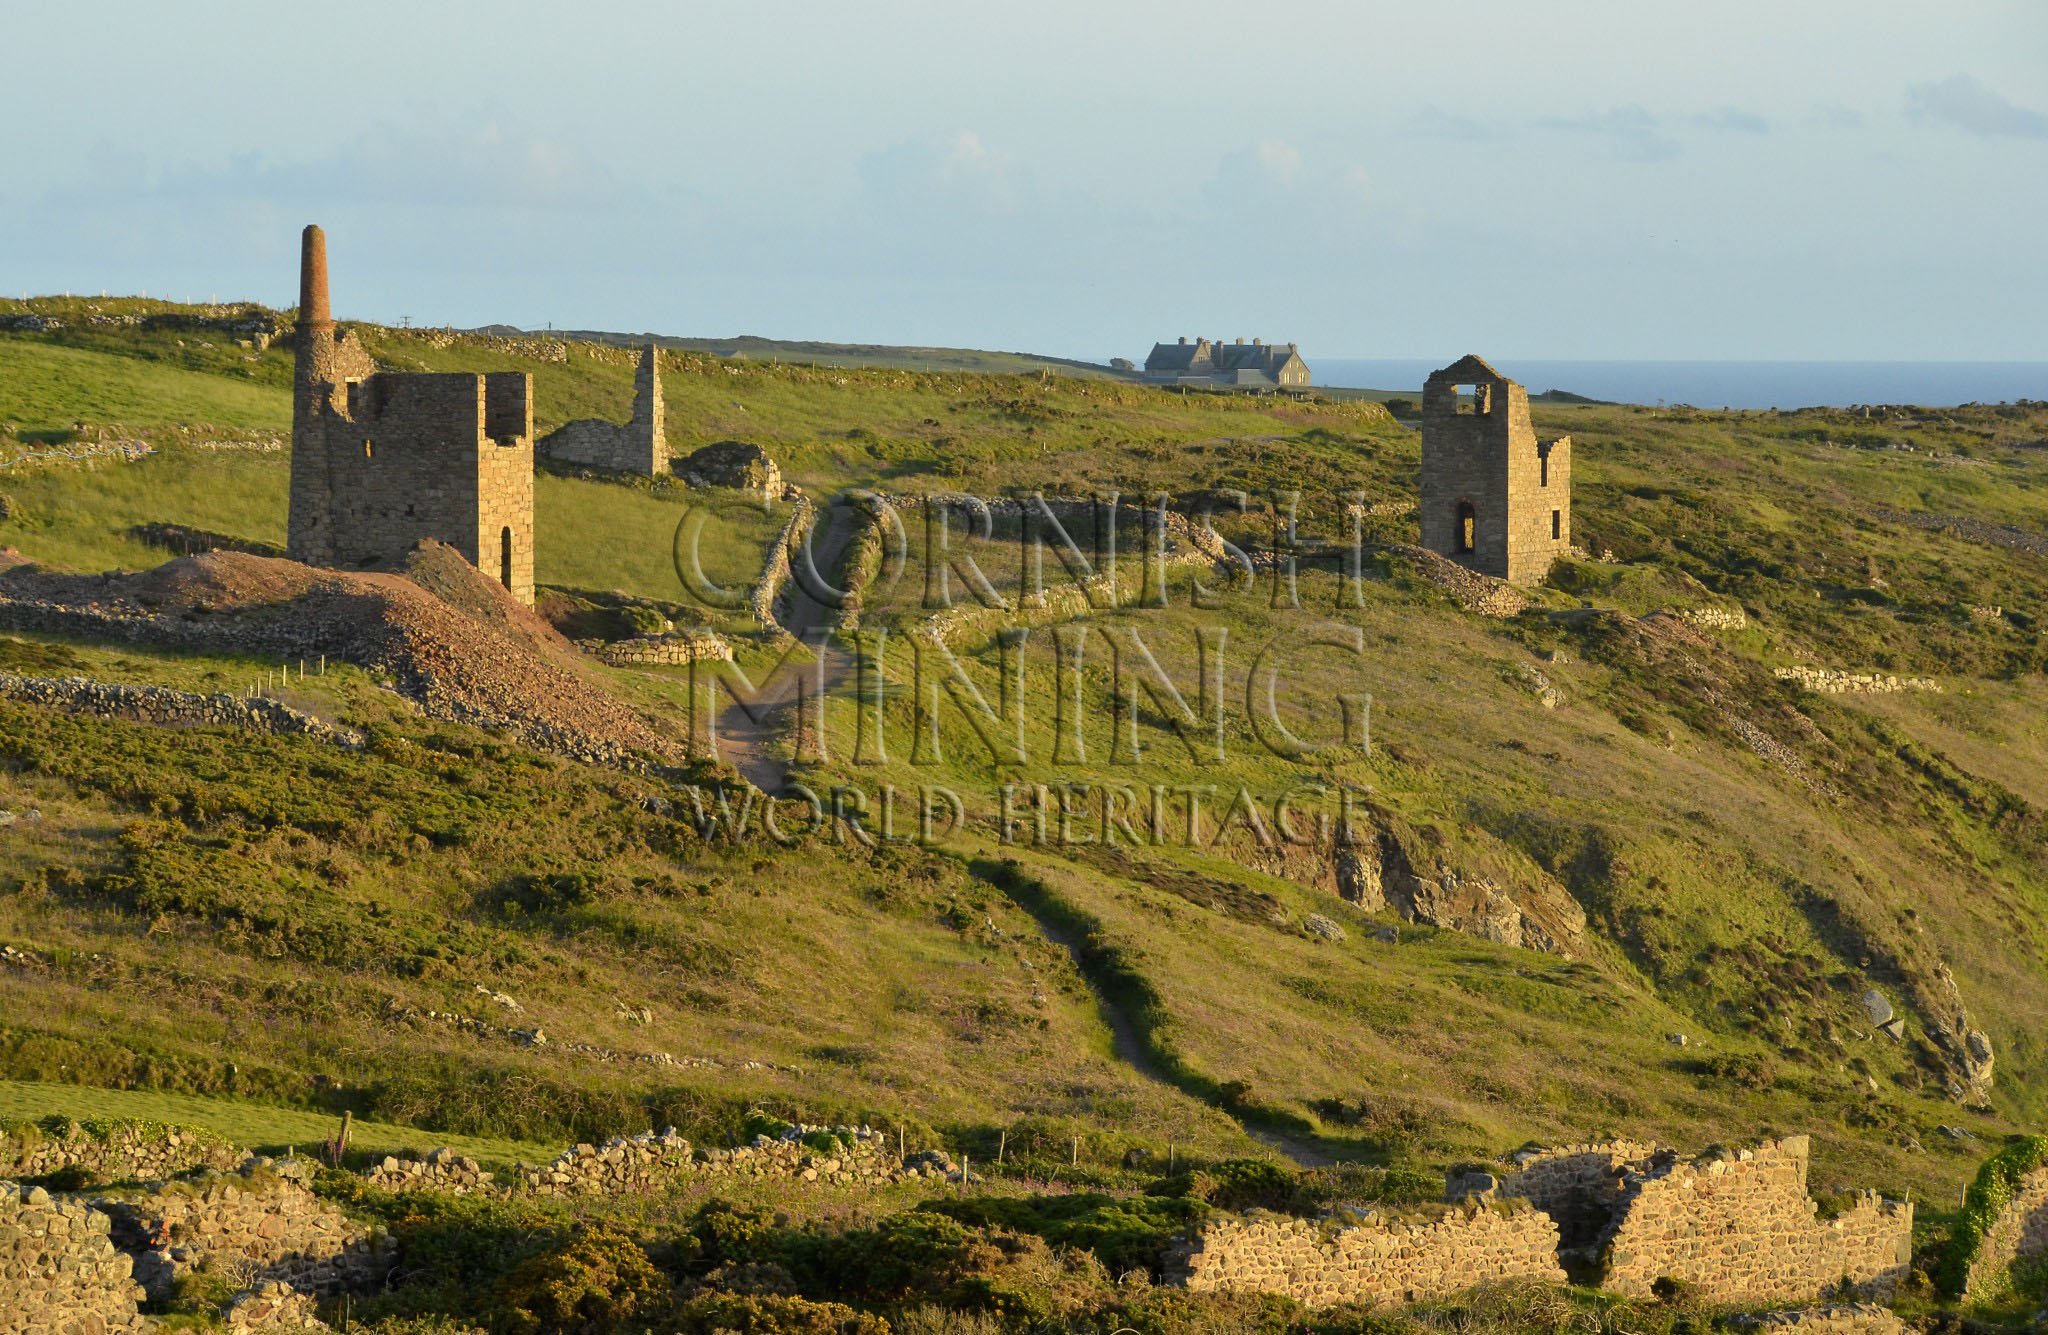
1257 344
1183 340
1240 342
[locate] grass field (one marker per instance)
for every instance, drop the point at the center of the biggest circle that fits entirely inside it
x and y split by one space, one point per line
275 904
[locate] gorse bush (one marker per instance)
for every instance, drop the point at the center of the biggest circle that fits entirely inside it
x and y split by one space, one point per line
598 1281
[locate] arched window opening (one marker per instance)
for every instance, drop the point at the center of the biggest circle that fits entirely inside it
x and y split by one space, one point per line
1468 525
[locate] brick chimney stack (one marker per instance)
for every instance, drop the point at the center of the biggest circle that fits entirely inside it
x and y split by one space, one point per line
313 312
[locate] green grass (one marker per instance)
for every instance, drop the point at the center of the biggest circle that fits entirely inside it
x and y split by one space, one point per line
1723 899
249 1125
47 388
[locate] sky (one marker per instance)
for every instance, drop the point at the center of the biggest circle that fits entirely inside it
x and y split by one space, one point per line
1797 179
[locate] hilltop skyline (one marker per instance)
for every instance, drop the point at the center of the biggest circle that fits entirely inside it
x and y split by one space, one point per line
1819 184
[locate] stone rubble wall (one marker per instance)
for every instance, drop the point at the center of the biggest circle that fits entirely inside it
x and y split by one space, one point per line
1375 1261
126 1153
1715 618
775 573
1579 1186
1835 1319
442 1170
1834 681
652 1162
2019 1232
1738 1226
59 1271
165 706
274 1307
672 650
261 1218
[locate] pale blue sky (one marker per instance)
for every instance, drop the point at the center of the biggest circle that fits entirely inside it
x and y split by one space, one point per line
1793 179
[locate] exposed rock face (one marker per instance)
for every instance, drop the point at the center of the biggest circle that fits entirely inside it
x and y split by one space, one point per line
1393 868
732 463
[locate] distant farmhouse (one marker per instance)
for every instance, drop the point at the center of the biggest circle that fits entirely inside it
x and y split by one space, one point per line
1240 365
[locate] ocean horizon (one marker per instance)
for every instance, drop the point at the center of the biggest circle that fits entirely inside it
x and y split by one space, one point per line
1724 384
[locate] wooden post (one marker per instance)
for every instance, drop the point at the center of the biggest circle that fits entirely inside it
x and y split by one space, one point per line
1077 1153
963 1172
1002 1143
1169 1156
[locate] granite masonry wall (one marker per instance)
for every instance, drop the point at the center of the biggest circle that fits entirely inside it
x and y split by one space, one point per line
442 1170
1738 1226
2020 1231
1834 681
775 572
273 1308
639 446
1579 1186
1375 1260
1484 469
59 1271
127 1152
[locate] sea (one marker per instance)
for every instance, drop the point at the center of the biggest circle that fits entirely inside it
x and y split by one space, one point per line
1726 384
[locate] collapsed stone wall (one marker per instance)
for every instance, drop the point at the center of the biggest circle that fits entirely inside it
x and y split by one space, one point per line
1738 1226
262 1220
130 1152
640 446
274 1307
59 1270
1374 1261
2020 1231
1835 681
165 706
1834 1319
654 1161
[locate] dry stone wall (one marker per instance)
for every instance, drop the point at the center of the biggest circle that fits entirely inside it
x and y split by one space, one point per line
442 1170
165 706
2020 1231
1834 681
1374 1261
775 573
671 650
1738 1226
655 1161
129 1152
260 1219
59 1271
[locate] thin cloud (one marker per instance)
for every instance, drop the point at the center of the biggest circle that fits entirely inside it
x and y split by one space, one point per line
1634 134
1433 122
1730 119
1961 102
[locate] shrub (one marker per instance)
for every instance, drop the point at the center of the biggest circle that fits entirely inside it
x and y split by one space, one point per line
590 1285
765 1314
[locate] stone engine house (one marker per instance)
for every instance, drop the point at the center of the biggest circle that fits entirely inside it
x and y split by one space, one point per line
381 460
640 446
1493 497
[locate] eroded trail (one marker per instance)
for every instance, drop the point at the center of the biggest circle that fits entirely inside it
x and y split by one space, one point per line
754 740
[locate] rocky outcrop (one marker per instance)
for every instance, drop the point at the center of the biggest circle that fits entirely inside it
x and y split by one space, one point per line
1373 1259
731 463
59 1270
1391 867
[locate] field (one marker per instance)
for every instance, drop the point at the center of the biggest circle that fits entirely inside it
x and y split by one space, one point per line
247 932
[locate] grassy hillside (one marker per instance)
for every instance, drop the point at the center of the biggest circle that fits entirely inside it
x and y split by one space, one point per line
1749 859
